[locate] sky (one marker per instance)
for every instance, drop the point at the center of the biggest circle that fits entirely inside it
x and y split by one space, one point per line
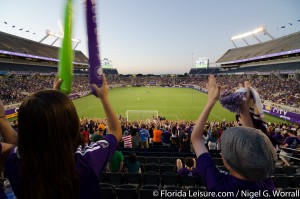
155 36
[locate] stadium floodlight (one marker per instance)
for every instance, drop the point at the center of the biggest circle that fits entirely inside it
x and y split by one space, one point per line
58 36
251 33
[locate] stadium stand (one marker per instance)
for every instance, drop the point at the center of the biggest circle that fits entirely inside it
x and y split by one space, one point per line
282 44
35 56
201 71
17 44
280 55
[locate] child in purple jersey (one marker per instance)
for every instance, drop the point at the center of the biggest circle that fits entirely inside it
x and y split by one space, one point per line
189 168
291 142
247 153
50 160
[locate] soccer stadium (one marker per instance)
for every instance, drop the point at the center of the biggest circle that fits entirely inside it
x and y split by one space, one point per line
167 107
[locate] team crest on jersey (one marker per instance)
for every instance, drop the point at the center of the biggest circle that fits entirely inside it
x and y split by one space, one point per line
103 143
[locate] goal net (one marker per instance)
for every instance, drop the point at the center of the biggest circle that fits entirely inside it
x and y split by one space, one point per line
132 115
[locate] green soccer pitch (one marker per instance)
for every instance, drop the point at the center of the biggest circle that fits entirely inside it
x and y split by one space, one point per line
172 103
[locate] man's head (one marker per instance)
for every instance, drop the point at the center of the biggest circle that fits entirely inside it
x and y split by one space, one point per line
101 128
248 152
189 162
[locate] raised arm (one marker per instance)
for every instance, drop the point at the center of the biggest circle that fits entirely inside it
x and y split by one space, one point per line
113 123
197 134
7 132
245 116
9 136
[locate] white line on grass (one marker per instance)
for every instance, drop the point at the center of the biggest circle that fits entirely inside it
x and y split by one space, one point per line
216 116
167 116
161 106
84 110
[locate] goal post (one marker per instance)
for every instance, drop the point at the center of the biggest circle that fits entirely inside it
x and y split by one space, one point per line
141 114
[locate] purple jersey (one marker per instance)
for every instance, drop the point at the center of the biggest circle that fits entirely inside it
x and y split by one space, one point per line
278 137
185 172
90 160
292 143
220 181
166 137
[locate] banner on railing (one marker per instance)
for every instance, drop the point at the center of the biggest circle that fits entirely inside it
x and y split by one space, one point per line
11 113
283 114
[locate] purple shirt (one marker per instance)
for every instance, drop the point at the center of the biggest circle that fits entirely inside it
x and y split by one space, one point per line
166 137
278 137
185 172
90 160
216 180
292 143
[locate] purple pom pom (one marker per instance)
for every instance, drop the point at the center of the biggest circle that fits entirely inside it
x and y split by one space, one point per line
232 101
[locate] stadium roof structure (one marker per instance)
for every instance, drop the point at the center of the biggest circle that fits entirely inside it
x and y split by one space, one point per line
58 36
14 46
283 47
251 33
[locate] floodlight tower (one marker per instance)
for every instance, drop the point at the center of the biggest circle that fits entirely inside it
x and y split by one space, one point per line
251 33
58 36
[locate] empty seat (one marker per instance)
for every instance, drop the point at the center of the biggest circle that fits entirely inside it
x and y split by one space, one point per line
152 159
166 154
169 179
164 159
296 181
289 170
178 155
107 191
167 168
155 154
134 178
115 178
278 170
282 181
146 192
141 159
188 181
189 155
102 177
151 167
127 191
151 178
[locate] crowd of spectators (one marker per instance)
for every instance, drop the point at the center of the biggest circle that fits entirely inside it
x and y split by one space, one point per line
281 132
16 87
182 129
277 91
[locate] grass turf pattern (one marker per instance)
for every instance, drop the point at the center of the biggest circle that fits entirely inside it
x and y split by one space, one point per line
172 103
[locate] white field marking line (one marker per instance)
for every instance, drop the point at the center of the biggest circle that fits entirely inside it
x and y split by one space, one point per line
172 116
216 116
163 106
84 110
